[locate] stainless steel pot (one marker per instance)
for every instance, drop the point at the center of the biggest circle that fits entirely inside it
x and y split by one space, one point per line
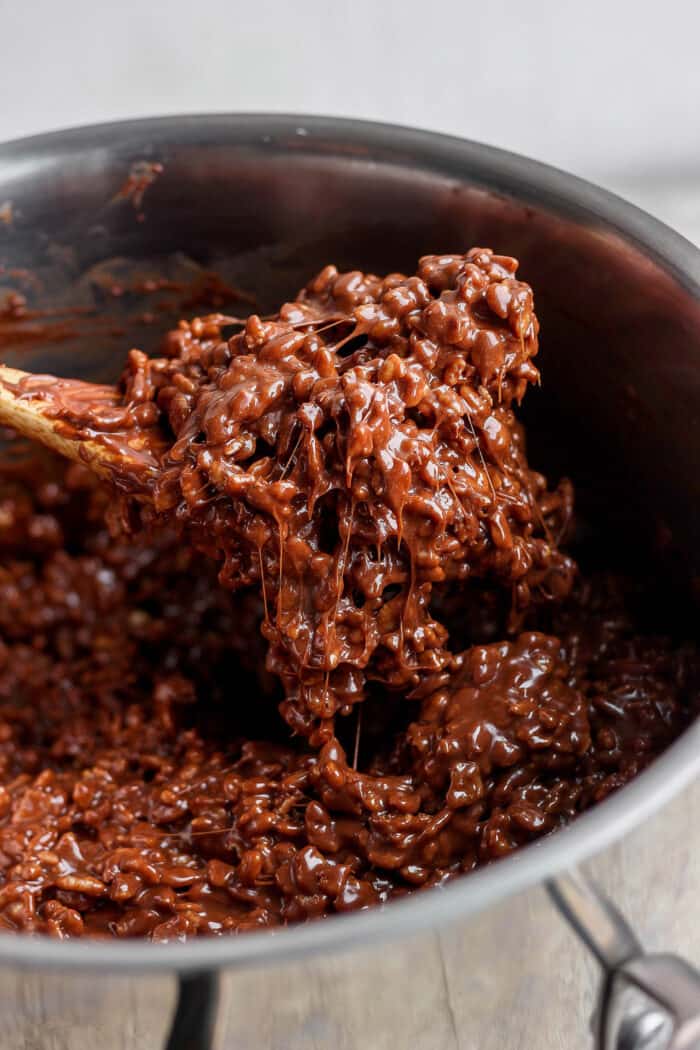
267 200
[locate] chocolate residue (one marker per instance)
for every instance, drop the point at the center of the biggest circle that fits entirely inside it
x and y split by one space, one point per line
115 296
142 175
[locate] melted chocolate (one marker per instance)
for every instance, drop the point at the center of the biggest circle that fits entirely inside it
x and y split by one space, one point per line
354 455
353 469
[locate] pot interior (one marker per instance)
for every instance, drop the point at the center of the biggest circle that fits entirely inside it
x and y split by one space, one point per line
264 207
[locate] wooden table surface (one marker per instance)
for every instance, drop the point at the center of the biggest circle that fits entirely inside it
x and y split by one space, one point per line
427 993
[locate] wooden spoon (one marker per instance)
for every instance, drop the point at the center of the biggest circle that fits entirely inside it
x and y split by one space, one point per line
87 422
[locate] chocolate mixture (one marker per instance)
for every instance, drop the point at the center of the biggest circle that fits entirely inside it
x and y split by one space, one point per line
353 470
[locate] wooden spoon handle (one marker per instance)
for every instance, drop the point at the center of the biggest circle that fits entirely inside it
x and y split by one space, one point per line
79 420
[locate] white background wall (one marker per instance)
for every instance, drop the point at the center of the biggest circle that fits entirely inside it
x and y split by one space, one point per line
608 88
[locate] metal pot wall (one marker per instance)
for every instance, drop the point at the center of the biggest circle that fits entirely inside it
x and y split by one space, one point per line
265 201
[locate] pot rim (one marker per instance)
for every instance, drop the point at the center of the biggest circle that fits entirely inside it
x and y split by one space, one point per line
492 169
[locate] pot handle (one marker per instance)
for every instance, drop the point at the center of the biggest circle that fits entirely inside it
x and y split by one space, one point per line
647 1001
194 1019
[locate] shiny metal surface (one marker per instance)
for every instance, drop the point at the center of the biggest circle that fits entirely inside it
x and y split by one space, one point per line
604 931
647 1001
266 200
